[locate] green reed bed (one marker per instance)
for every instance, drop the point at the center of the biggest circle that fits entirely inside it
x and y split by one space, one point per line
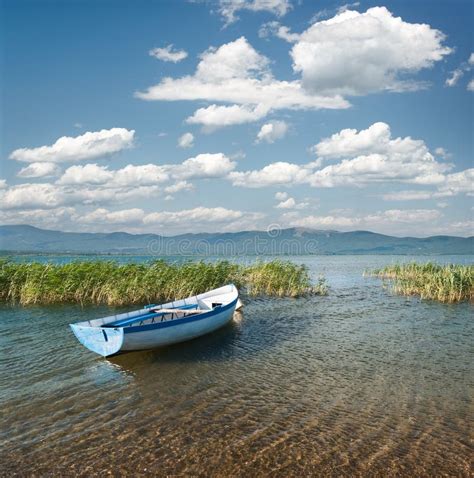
107 282
444 283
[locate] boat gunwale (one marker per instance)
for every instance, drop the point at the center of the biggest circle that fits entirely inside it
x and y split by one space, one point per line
103 324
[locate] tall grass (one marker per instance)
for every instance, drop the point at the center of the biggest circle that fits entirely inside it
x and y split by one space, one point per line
444 283
107 282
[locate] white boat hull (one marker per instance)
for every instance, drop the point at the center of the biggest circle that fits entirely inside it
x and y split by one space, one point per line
140 332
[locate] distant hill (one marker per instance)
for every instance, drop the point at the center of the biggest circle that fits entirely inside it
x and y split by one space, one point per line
295 241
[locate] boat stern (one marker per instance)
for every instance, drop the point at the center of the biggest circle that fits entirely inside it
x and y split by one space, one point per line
102 341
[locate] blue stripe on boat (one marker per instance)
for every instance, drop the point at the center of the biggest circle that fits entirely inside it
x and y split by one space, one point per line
172 323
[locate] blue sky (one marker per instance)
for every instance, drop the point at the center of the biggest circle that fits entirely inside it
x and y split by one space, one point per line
227 115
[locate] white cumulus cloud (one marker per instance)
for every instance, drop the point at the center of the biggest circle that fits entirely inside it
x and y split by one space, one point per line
140 175
198 214
281 196
364 157
31 196
376 219
206 165
168 54
229 8
48 196
442 153
104 216
214 116
372 155
63 218
274 28
129 176
350 142
350 54
358 53
290 203
236 73
202 166
178 187
270 132
456 75
199 219
459 72
86 174
90 145
279 173
39 170
236 59
186 141
457 183
407 196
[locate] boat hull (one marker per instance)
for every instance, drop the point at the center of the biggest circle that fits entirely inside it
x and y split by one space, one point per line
136 339
138 330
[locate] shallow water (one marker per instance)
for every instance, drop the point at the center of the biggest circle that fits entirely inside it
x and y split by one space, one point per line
360 382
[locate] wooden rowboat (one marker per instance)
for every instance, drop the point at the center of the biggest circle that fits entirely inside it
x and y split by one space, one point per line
159 325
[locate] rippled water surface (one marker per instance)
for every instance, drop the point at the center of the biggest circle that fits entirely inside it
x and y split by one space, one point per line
360 382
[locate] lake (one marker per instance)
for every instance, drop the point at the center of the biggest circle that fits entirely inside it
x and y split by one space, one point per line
358 383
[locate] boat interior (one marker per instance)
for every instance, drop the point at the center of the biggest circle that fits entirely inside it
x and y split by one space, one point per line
153 314
177 309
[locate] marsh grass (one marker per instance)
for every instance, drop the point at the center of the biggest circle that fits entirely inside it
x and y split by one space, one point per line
107 282
444 283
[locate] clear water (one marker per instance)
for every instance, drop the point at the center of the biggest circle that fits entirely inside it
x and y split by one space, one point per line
358 383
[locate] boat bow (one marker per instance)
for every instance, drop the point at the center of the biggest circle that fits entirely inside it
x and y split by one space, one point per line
102 341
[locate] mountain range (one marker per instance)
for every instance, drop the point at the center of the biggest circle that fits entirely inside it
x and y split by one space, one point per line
294 241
